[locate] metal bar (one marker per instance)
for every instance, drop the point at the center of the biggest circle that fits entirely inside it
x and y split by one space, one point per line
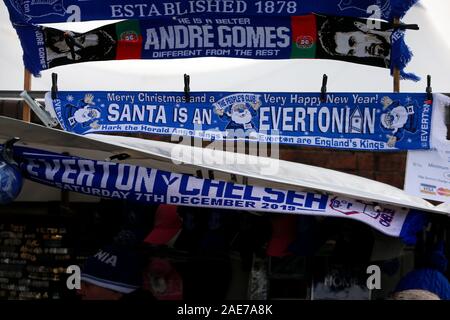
26 112
396 73
43 115
13 95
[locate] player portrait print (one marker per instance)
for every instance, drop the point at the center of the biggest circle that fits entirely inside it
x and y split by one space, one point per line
353 41
67 47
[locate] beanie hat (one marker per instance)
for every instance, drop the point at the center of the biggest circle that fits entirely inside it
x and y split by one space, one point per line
167 225
430 279
113 267
425 279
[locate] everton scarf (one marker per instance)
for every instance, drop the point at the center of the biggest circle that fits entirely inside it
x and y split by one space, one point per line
299 37
358 121
140 184
38 12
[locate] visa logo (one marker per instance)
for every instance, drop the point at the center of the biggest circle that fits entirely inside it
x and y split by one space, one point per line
427 188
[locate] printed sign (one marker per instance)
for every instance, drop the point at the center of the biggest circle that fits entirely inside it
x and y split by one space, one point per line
359 121
428 175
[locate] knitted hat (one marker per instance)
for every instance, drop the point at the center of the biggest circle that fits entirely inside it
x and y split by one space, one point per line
430 279
167 225
114 267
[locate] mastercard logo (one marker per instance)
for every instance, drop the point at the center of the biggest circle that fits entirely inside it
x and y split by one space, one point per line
443 192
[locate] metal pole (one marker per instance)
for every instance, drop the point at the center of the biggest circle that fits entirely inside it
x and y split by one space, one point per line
396 73
26 114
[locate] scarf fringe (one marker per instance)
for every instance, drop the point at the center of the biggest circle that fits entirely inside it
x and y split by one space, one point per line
401 55
29 48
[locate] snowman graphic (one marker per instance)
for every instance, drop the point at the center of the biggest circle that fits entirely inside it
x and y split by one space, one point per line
398 119
84 113
240 116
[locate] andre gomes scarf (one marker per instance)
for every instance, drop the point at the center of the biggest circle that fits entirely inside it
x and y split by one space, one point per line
270 38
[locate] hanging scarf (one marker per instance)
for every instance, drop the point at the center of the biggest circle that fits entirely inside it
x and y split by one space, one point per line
357 121
271 38
37 12
10 181
151 186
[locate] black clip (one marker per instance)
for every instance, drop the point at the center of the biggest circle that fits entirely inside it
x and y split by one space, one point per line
403 26
54 86
429 89
323 90
187 90
7 152
120 156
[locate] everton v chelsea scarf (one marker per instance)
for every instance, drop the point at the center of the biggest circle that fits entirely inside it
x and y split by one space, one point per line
151 186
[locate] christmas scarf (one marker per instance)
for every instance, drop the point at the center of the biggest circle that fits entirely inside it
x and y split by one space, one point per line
357 121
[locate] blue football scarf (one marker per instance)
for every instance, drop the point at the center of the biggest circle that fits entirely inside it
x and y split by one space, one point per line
269 38
356 121
10 181
145 185
36 12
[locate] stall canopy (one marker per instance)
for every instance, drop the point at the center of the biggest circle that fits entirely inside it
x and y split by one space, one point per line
210 163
